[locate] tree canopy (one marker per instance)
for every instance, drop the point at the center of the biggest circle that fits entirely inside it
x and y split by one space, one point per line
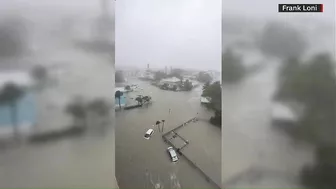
119 77
233 69
39 73
204 77
176 73
187 85
13 37
10 93
282 40
312 83
214 91
159 75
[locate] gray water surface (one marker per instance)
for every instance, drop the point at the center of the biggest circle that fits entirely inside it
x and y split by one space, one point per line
136 156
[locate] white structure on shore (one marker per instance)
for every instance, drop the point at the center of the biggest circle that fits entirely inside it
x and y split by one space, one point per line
172 80
205 100
25 105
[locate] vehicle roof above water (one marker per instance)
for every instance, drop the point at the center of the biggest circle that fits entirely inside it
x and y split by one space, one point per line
171 151
149 131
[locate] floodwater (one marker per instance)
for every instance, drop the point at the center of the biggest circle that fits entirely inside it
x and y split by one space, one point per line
84 161
250 146
253 154
140 162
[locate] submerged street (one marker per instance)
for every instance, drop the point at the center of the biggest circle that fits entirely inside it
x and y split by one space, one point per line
139 162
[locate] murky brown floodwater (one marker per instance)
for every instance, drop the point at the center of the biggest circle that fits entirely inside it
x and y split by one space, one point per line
85 161
135 155
250 143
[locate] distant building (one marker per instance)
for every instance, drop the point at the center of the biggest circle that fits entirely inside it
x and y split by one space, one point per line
26 105
205 100
170 81
147 75
283 115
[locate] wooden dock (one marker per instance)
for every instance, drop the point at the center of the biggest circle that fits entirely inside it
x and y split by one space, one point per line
132 107
193 164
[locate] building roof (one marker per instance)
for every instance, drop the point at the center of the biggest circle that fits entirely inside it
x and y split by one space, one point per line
172 80
283 112
205 100
17 77
121 89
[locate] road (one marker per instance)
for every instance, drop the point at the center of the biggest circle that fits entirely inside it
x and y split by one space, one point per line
135 156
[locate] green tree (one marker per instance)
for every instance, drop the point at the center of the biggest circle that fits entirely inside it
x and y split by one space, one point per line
159 75
78 110
187 85
139 100
176 73
214 91
118 95
119 77
282 41
233 69
204 77
313 84
100 107
146 99
206 85
13 37
127 87
9 96
289 67
217 118
39 74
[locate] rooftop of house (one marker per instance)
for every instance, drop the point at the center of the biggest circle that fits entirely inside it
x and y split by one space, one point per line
121 89
281 111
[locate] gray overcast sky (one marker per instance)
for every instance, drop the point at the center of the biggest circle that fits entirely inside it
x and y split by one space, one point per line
269 8
178 33
46 8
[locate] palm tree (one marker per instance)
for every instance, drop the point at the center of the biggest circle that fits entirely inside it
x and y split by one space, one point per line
163 122
118 95
139 100
9 96
78 111
127 87
158 124
146 99
101 108
40 74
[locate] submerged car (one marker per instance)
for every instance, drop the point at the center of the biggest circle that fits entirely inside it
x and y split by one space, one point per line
172 154
149 133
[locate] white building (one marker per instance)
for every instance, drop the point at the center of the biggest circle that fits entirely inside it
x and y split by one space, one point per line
25 106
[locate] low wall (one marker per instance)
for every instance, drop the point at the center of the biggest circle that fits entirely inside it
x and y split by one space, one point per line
165 139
